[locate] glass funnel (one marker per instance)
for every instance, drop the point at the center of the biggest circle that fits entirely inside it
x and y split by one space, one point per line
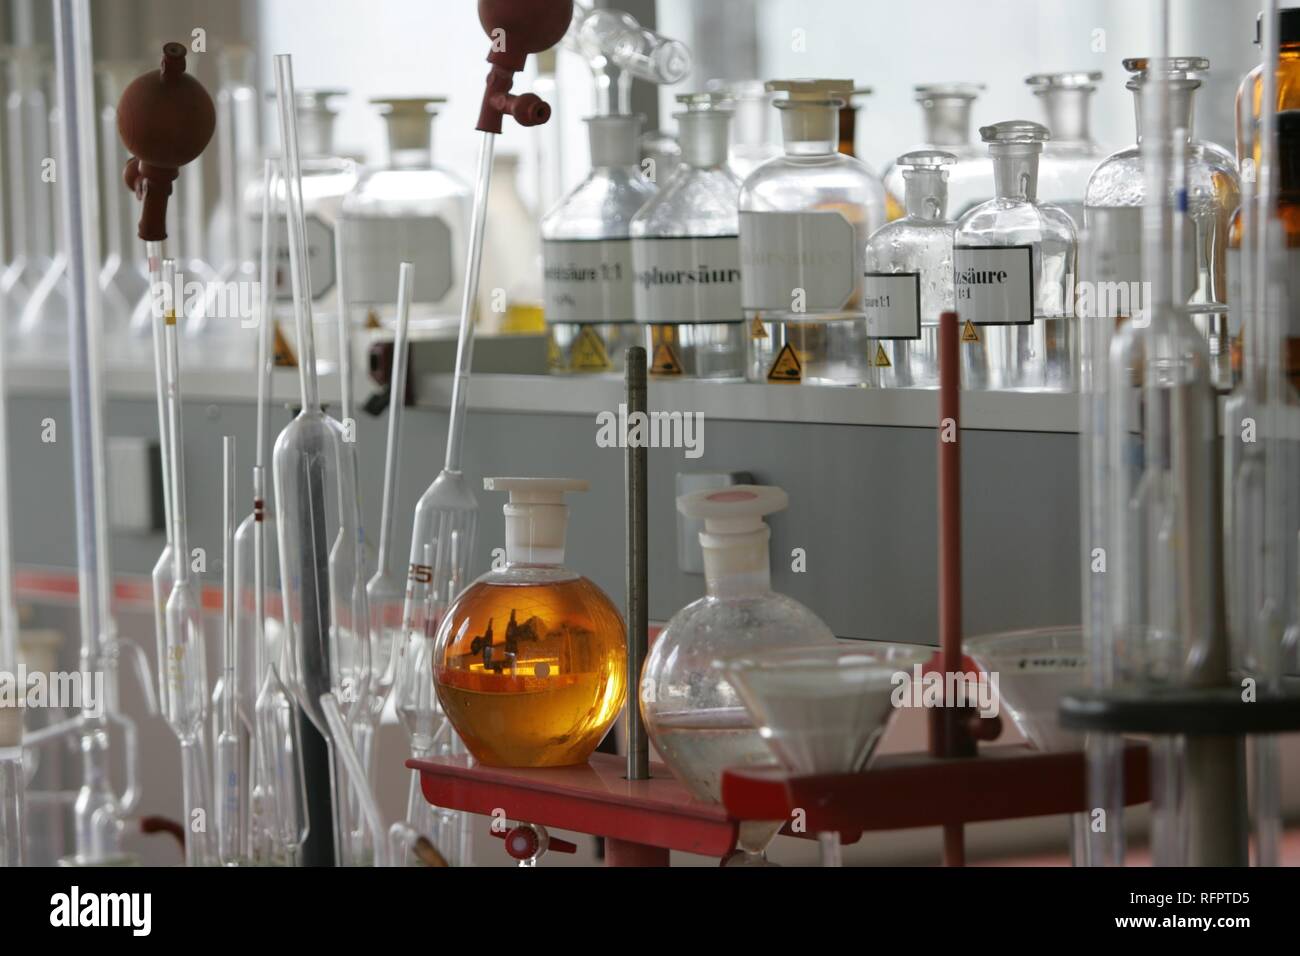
1117 191
909 275
686 255
530 661
823 710
804 222
946 115
1031 670
587 249
1014 262
1071 155
410 210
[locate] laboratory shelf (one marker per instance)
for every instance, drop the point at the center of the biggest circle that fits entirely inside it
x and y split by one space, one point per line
902 791
590 395
641 820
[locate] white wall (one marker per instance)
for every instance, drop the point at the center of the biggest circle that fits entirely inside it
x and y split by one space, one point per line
892 45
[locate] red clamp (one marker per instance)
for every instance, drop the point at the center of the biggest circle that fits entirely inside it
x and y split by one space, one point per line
528 841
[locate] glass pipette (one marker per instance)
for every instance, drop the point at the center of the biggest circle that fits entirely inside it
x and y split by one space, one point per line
314 490
162 570
384 590
187 677
13 780
98 810
231 778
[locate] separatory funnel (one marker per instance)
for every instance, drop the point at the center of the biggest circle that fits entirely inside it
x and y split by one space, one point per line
530 662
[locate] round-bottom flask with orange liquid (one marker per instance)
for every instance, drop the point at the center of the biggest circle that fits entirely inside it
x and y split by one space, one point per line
530 661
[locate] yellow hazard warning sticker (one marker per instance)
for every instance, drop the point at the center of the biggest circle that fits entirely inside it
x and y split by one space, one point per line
665 362
882 360
968 332
372 319
554 357
588 352
756 330
786 368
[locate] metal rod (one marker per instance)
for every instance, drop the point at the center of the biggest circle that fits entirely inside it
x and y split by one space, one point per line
948 737
638 745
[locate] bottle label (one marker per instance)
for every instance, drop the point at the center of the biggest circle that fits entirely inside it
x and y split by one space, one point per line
1114 256
374 245
799 261
687 280
892 303
994 285
320 257
588 280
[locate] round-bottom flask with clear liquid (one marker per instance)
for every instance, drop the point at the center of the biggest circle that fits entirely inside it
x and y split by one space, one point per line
695 718
530 662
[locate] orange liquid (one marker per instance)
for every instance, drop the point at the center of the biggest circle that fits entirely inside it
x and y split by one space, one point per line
544 690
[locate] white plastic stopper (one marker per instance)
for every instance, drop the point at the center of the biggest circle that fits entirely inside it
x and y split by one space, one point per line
536 516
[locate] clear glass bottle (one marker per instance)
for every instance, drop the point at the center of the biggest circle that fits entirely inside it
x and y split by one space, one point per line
1071 155
530 660
686 255
587 250
1117 191
909 275
946 114
1013 267
512 256
693 715
1287 79
326 179
804 221
408 211
754 136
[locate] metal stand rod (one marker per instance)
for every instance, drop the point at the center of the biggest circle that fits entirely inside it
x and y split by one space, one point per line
948 736
638 620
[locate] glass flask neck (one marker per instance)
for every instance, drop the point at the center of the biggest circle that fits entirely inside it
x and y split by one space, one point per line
535 533
947 120
739 568
1066 111
1015 170
703 137
1181 110
613 141
410 140
810 129
925 194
